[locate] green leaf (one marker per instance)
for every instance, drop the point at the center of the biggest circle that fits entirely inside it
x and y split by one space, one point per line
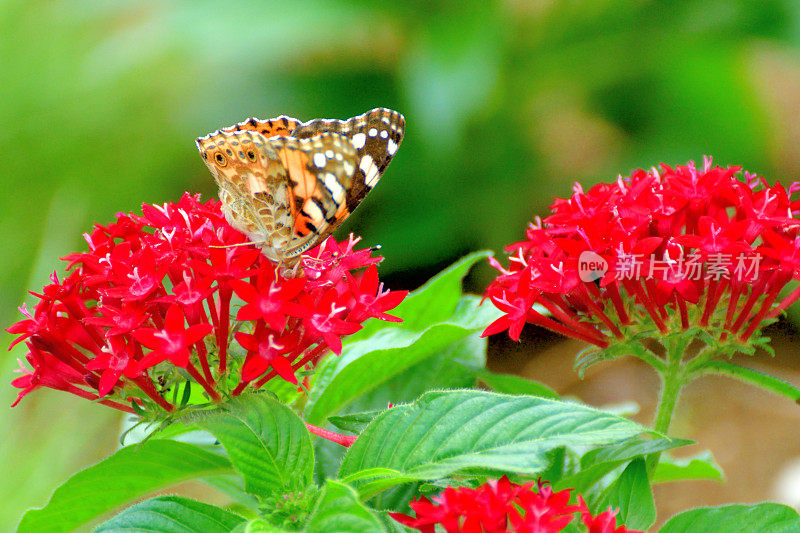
130 473
283 390
434 302
266 441
561 463
449 431
631 449
340 510
371 473
172 514
632 347
354 422
754 377
631 494
761 517
596 464
392 525
369 363
510 384
173 431
365 365
701 466
232 485
434 317
259 525
454 367
328 458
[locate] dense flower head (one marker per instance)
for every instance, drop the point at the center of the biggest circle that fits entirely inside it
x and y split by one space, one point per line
656 252
177 292
499 506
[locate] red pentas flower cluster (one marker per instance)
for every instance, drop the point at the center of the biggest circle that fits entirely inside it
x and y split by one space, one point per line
659 251
500 505
159 298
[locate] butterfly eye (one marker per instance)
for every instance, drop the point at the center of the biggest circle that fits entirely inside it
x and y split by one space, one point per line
251 155
221 161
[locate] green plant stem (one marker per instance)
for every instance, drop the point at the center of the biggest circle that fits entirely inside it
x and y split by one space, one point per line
669 397
673 381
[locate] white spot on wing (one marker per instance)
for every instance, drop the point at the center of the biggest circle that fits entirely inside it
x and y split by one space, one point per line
359 140
384 134
314 212
319 160
373 132
366 162
370 171
329 154
334 187
391 147
348 168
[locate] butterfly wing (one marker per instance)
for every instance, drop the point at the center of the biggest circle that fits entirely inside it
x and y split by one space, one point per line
375 135
253 185
287 184
320 171
281 125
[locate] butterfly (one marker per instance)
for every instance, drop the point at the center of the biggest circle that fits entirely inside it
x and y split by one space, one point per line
288 184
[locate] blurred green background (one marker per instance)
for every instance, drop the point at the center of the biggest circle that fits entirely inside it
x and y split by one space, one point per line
507 103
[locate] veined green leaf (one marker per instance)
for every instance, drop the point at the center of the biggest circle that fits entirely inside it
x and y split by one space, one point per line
339 510
761 517
266 441
130 473
450 431
172 514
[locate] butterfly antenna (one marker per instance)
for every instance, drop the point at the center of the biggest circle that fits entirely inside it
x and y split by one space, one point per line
235 245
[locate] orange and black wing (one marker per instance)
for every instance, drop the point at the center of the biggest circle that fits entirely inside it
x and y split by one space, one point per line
320 170
281 125
375 135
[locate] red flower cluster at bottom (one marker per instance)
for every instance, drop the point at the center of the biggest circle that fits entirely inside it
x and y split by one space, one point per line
500 505
150 305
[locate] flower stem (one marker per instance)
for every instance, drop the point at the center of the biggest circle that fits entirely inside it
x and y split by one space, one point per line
669 397
673 381
225 294
190 368
344 440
